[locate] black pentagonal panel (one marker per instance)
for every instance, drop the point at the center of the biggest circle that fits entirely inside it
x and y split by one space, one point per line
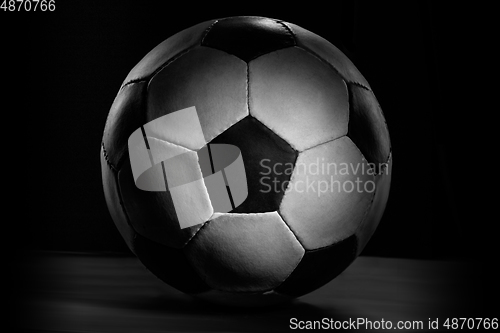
263 152
318 267
248 37
169 264
367 127
126 115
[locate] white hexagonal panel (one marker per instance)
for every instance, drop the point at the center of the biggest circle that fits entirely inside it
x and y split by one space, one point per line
244 252
329 193
299 97
212 81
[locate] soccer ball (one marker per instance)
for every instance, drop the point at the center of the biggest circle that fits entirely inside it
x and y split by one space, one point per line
307 180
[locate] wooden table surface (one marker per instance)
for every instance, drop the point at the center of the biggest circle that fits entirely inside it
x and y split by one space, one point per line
66 292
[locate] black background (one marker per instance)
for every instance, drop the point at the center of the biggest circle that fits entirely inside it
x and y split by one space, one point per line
73 60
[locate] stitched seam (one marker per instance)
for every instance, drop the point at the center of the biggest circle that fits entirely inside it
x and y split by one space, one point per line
385 165
171 143
196 233
290 32
248 89
324 142
359 85
365 214
106 158
207 30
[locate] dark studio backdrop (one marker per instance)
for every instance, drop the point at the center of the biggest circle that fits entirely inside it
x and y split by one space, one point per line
411 53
